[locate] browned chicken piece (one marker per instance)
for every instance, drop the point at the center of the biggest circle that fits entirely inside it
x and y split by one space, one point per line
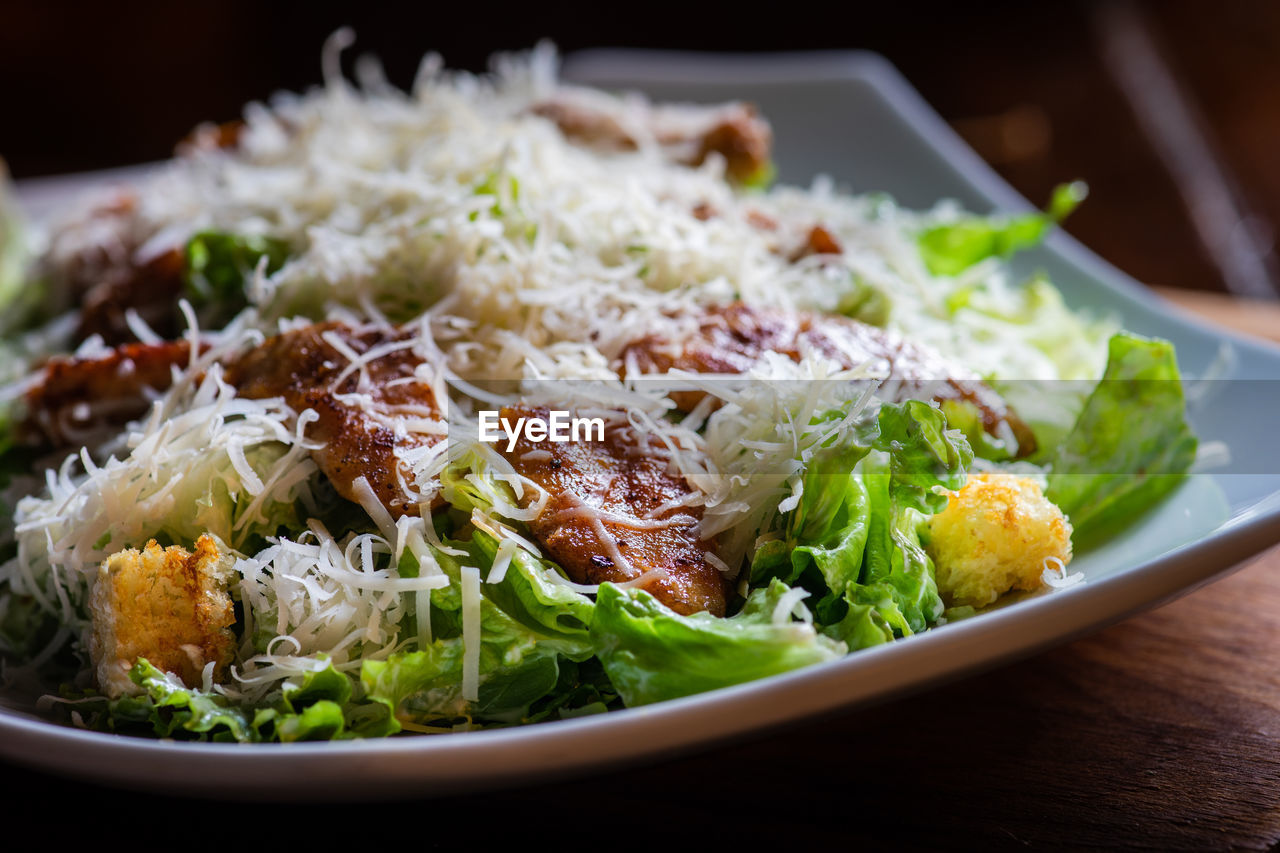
100 263
362 412
732 339
167 605
741 137
150 287
691 134
80 401
584 123
819 241
605 518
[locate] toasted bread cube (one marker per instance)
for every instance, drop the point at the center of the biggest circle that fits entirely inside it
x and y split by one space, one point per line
163 604
995 536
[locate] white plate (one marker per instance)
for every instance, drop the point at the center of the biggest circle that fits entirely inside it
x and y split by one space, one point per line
852 116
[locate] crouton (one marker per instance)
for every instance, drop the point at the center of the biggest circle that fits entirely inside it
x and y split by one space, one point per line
163 604
995 536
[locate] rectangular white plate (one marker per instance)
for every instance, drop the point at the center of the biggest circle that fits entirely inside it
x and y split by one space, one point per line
852 116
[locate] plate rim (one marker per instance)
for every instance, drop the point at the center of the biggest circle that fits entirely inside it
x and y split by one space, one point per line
416 766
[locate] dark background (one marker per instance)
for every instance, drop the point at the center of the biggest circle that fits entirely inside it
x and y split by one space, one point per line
1029 85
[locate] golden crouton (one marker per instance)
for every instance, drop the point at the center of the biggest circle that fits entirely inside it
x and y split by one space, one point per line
993 537
163 604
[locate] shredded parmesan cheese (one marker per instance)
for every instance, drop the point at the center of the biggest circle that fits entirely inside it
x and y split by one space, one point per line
471 633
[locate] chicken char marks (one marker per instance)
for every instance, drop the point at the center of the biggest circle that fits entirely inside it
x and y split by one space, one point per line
733 338
368 415
611 515
80 401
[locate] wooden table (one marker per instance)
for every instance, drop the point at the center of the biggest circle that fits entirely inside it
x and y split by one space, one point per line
1162 732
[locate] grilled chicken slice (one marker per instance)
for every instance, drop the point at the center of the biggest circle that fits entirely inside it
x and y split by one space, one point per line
732 339
104 264
690 134
370 412
150 286
80 401
613 514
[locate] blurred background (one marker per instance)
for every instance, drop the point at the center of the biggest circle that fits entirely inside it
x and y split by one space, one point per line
1169 110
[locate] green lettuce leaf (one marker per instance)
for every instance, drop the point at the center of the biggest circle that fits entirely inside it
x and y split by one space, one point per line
425 686
923 454
219 265
864 302
951 248
852 540
1037 314
26 627
897 579
175 710
322 707
528 595
651 653
14 255
1131 444
520 652
582 689
760 180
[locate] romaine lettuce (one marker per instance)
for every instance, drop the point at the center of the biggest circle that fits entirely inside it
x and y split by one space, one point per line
321 707
953 247
14 256
652 653
852 540
519 659
1130 445
219 264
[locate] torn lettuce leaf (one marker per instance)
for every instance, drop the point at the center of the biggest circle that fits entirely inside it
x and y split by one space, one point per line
852 540
219 266
582 690
651 653
1131 444
864 302
951 248
14 258
321 707
529 596
1074 343
923 454
897 577
760 180
527 627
